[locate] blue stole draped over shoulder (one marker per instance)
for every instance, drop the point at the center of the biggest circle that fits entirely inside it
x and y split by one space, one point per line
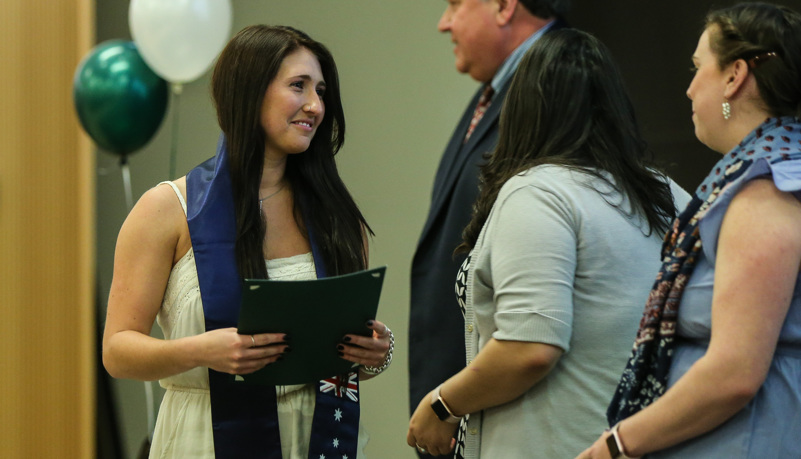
244 416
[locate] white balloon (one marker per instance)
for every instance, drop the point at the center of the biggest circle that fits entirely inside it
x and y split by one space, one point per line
179 39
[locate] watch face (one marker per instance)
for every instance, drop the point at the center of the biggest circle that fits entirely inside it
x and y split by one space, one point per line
440 410
611 443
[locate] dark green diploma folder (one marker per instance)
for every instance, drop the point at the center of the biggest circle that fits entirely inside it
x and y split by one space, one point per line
316 314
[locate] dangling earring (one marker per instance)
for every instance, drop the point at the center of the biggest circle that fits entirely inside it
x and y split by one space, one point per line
726 110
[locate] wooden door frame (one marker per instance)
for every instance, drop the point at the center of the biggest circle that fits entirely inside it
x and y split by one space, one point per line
47 221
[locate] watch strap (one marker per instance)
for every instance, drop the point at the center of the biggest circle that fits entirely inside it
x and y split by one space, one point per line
441 409
615 444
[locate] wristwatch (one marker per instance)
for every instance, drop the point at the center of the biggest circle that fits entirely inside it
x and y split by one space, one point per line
615 444
442 410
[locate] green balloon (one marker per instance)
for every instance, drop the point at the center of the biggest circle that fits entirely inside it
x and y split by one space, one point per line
119 99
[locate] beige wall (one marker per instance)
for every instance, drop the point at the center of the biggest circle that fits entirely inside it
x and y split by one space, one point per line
402 97
47 228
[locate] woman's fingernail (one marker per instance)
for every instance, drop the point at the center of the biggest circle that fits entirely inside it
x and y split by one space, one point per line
287 349
370 323
341 354
341 347
346 339
286 337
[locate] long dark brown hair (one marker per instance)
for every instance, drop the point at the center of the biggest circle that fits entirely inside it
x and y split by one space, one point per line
567 106
323 206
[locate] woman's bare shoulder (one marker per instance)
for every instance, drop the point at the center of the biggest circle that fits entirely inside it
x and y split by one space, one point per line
158 216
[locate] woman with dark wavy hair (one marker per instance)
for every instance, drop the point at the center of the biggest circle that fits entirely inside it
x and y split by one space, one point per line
716 366
269 204
567 225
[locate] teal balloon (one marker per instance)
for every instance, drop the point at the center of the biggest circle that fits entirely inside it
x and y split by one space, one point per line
120 101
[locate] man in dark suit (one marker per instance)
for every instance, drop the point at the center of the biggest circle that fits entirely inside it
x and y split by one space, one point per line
490 38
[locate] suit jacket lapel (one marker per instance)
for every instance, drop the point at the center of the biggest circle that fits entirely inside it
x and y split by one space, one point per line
457 153
452 152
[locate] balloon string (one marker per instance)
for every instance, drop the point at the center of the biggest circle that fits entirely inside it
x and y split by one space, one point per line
151 416
126 182
177 89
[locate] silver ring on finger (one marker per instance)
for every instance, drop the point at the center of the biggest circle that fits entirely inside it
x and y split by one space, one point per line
421 449
253 340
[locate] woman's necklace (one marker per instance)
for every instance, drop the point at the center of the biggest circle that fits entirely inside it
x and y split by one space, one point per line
261 200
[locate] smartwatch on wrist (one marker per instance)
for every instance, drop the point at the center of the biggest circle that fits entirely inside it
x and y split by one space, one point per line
615 444
442 410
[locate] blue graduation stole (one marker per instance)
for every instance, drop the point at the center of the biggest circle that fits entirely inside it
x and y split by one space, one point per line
244 417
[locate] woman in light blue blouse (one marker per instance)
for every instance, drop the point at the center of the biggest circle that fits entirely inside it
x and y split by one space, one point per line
716 368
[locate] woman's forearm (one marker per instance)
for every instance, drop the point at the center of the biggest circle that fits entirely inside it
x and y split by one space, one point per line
500 373
709 393
134 355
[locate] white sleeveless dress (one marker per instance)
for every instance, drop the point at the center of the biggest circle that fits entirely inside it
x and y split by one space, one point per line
183 428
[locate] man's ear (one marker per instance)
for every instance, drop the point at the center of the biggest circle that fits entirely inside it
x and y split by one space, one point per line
736 75
506 10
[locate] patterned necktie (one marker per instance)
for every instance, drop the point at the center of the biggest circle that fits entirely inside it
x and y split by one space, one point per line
483 102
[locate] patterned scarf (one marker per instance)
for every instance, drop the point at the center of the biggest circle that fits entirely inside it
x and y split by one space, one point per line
244 416
646 374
